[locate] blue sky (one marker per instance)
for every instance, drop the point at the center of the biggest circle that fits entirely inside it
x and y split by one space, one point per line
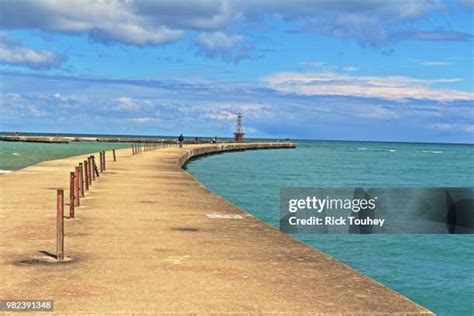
356 70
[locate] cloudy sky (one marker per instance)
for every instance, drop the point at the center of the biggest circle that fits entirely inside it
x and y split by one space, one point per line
341 69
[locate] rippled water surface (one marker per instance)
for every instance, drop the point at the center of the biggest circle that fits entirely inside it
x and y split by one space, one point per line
433 270
17 155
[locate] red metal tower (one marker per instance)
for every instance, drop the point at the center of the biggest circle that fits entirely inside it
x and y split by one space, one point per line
239 132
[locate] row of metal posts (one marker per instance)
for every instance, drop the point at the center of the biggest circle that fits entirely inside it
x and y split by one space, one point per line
141 147
80 181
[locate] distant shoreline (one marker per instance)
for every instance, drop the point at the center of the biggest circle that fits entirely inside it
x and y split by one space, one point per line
222 138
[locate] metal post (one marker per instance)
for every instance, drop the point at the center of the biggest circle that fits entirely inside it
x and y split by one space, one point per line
71 195
113 151
60 224
89 162
103 153
81 177
101 162
76 187
86 172
92 167
95 171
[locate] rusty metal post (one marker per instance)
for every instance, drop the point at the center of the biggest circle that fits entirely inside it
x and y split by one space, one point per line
89 162
81 179
92 167
103 153
60 224
71 195
113 152
95 171
101 162
86 174
77 173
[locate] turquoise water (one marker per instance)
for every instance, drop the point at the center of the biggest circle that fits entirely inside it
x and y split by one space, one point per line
436 271
17 155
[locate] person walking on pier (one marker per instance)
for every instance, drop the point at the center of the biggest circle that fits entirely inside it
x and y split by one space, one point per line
180 140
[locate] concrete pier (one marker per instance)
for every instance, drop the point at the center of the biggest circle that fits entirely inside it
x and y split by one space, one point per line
149 238
103 139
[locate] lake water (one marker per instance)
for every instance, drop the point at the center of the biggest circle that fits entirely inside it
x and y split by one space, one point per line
436 271
17 155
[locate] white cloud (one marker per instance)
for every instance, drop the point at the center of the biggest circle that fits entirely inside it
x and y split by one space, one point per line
12 52
454 127
141 119
269 112
65 99
321 66
230 47
126 103
228 112
36 112
221 115
370 23
102 20
390 87
218 40
350 68
435 63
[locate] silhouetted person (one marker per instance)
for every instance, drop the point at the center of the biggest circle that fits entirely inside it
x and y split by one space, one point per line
180 140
